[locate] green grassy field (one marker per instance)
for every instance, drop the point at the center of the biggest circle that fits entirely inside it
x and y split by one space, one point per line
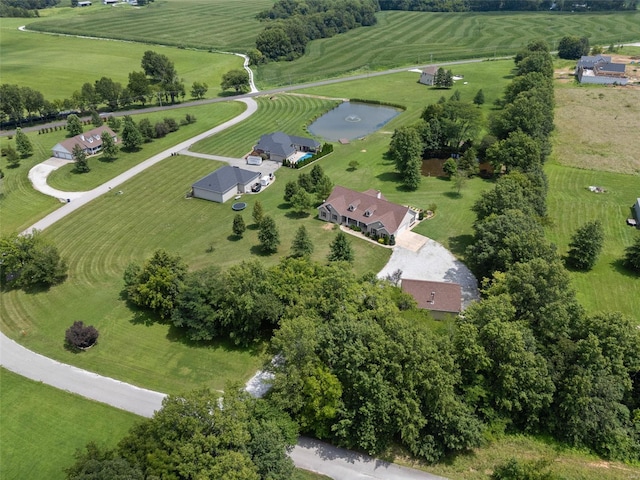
207 117
42 427
22 205
411 38
204 24
59 65
399 38
608 287
565 463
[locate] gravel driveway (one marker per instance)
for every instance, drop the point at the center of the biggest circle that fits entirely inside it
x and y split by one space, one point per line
433 262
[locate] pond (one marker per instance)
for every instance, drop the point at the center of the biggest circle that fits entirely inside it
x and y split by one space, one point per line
352 120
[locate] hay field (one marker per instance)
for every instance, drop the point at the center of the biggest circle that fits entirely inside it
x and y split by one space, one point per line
598 128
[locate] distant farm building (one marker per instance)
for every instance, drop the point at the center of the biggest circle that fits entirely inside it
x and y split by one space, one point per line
440 298
90 142
84 4
428 75
225 183
599 69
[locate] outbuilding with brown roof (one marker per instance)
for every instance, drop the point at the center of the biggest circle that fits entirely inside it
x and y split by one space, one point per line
441 298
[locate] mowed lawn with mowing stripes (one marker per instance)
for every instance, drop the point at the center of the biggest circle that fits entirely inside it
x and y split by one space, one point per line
608 287
207 117
416 38
42 427
59 65
204 24
152 212
284 112
22 205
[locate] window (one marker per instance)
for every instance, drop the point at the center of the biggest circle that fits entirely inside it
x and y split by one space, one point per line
323 214
334 218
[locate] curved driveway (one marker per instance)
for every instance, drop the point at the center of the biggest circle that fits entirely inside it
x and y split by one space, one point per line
309 454
72 206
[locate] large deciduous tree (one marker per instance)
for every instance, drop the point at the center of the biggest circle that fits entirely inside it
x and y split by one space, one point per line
199 90
406 151
155 284
572 47
108 91
30 261
139 87
198 435
237 80
586 245
74 125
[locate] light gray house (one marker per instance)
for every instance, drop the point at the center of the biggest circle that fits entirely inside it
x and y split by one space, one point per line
636 208
599 69
224 183
369 211
440 298
279 146
428 75
91 143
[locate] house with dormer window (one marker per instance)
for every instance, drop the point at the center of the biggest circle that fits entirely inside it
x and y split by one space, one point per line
369 211
90 142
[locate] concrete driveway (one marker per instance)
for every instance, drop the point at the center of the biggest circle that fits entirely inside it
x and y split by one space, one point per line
38 176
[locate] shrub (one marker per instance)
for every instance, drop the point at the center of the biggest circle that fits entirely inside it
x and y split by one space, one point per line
421 215
381 240
81 337
392 240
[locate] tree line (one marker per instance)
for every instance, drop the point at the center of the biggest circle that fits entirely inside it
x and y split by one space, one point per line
24 8
506 5
198 435
291 24
157 81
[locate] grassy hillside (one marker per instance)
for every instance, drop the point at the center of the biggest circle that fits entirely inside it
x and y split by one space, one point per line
203 24
59 65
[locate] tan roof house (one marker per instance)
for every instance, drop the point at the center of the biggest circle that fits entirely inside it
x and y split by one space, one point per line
441 298
91 143
369 211
428 75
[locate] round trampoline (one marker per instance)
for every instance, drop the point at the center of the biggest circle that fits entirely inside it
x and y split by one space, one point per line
239 206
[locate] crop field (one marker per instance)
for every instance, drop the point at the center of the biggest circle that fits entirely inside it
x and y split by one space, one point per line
204 24
59 65
42 427
597 129
418 38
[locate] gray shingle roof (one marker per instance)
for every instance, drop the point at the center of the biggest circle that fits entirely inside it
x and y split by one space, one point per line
226 178
279 143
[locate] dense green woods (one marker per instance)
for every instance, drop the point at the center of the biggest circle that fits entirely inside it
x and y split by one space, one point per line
291 24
